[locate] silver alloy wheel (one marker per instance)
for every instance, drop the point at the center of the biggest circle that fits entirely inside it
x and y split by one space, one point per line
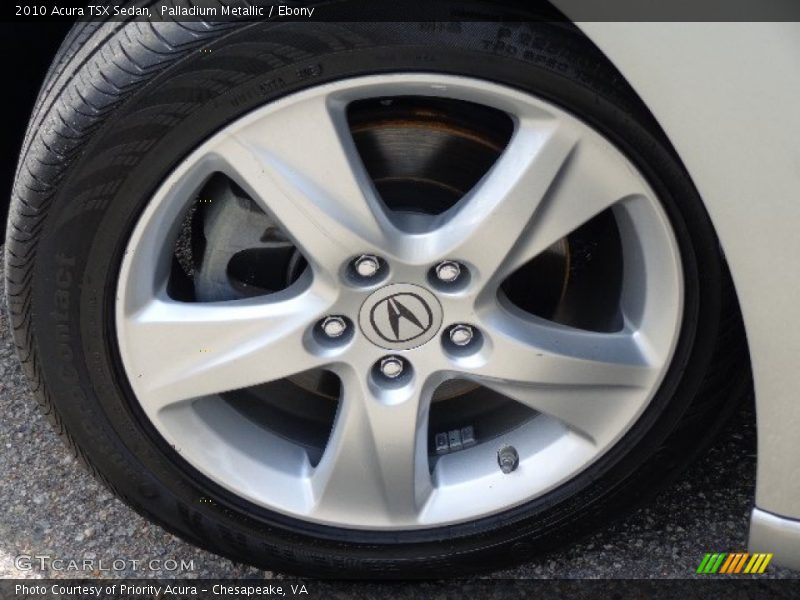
296 159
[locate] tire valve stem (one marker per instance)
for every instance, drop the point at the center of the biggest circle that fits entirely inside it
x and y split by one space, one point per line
508 459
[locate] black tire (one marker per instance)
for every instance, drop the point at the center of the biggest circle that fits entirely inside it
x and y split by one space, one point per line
125 102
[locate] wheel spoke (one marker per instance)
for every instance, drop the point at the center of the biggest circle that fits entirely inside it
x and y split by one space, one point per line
375 464
595 412
502 205
587 380
593 179
300 165
549 181
177 351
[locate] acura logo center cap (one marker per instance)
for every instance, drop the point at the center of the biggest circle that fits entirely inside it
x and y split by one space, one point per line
400 316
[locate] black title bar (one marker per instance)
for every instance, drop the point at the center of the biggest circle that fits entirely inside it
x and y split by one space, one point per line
407 10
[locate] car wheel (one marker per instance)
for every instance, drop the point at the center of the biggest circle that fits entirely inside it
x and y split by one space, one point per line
366 300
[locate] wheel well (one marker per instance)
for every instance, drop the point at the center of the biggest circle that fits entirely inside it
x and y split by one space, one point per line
28 63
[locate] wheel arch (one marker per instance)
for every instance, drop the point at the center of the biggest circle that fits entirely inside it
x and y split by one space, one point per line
29 63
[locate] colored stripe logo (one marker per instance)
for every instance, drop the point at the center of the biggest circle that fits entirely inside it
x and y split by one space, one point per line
734 563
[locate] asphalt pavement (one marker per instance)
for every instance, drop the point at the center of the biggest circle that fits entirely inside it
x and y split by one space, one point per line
50 506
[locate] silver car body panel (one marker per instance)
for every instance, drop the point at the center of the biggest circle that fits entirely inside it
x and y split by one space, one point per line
726 96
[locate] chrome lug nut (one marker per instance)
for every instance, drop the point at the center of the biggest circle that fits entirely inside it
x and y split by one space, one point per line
448 271
461 335
508 459
367 265
392 367
334 327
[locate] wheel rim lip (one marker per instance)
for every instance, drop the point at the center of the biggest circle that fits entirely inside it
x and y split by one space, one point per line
165 207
